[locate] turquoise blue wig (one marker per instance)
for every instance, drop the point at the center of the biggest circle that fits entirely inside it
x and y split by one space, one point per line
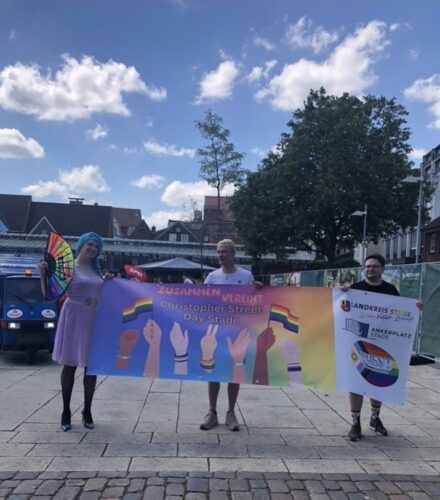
84 238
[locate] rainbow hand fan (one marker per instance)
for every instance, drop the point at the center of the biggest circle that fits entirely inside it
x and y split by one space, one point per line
59 258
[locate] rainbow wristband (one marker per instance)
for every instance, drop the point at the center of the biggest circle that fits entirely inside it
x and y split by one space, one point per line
207 364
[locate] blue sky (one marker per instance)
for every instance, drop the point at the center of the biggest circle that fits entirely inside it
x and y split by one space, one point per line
98 98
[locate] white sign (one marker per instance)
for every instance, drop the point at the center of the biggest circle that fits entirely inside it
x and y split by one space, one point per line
374 335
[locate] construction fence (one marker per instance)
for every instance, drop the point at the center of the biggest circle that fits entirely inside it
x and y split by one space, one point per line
412 280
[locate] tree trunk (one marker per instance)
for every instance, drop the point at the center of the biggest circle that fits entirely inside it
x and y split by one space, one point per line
220 222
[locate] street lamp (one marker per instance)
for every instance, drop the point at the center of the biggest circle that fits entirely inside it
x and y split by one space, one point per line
412 180
362 213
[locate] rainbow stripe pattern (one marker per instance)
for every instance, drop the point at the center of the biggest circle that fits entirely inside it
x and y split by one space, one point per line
143 304
285 317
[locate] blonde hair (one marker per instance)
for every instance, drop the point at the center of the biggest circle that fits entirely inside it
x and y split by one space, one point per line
226 243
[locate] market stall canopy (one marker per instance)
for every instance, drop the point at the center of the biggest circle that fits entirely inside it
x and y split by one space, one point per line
178 264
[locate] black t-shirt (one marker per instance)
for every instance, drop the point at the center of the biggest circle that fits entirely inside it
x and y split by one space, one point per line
384 287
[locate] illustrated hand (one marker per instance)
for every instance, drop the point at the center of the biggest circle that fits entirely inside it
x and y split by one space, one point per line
290 351
127 341
179 340
265 340
238 348
152 333
208 343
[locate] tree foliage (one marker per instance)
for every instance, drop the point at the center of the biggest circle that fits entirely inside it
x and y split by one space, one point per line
340 154
220 164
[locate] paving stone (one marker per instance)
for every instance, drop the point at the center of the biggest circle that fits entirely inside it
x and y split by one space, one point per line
281 496
155 481
431 488
200 473
26 475
365 477
113 492
197 484
300 495
419 495
95 484
377 495
294 484
154 493
217 495
132 496
257 483
136 485
314 486
173 497
319 496
356 496
179 480
172 473
250 475
49 487
241 495
224 474
82 474
142 474
261 494
67 493
123 481
408 486
338 495
6 475
175 489
277 486
28 486
112 474
41 497
195 496
18 497
75 482
366 485
400 497
277 475
331 485
10 483
348 486
387 487
90 495
52 475
218 484
238 485
336 477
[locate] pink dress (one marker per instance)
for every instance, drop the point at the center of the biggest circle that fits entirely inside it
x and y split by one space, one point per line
75 324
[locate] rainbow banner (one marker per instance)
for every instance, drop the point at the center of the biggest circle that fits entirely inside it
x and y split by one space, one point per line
349 341
284 316
141 305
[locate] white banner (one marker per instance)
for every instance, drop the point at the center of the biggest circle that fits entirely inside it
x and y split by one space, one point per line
374 335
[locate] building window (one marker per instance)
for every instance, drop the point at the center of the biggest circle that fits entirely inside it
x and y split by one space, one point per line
172 237
184 238
433 243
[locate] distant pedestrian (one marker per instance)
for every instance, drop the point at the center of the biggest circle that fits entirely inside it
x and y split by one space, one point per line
187 280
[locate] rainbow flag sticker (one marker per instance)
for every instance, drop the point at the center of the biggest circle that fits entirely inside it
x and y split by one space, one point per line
283 315
143 304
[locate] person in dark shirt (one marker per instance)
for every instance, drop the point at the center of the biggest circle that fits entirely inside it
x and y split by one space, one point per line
374 266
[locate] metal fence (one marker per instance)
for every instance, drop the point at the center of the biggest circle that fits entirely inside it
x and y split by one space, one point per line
412 280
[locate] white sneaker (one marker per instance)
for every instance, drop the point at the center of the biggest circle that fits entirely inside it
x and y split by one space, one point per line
231 421
210 421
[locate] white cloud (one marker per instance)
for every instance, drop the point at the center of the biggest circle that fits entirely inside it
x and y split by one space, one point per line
12 35
259 72
263 42
130 151
178 193
427 90
77 90
413 54
99 132
149 181
259 152
417 154
161 217
153 147
301 35
348 69
13 144
150 122
77 181
219 83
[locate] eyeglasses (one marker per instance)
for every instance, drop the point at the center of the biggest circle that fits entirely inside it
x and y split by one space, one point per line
372 267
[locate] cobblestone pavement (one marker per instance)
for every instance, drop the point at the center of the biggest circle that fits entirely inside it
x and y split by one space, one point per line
215 486
294 441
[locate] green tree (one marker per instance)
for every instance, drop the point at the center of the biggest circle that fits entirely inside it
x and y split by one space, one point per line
220 164
340 154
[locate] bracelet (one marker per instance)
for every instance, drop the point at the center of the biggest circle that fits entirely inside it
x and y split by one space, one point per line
239 364
294 367
123 357
207 363
180 358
